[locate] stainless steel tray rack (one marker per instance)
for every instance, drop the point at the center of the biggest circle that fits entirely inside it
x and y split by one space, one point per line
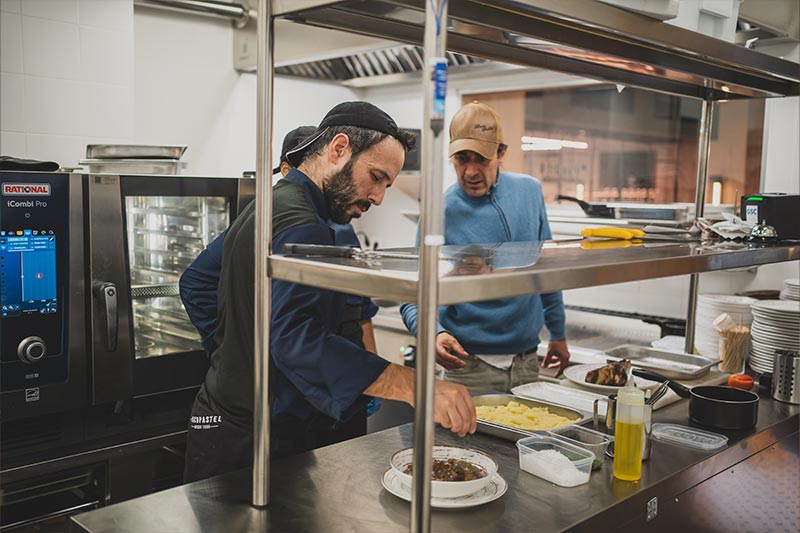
590 39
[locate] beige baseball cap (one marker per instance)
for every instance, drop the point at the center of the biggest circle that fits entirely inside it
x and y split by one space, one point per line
476 127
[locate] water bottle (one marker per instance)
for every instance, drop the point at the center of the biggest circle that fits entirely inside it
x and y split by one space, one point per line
629 428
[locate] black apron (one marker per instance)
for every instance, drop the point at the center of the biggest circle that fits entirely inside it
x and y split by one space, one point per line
215 445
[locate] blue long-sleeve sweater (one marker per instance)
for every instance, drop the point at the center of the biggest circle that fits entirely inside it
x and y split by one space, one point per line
513 210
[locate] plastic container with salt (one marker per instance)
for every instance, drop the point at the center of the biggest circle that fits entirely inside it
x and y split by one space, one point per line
555 460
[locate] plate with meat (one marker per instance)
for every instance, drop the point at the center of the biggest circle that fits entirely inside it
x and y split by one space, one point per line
606 378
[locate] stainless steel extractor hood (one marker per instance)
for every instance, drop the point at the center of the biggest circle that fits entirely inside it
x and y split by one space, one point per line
371 67
589 39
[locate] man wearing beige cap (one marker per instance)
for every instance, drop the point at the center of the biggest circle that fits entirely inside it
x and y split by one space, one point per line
491 346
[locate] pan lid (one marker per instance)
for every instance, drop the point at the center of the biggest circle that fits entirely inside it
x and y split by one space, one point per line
689 437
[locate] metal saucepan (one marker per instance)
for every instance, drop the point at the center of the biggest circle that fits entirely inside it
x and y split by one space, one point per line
714 406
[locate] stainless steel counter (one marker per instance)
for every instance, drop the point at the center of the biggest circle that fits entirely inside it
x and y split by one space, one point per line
338 488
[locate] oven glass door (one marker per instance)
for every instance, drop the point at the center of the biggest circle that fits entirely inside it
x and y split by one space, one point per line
165 234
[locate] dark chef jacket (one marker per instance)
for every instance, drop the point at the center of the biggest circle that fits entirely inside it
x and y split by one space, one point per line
316 376
199 282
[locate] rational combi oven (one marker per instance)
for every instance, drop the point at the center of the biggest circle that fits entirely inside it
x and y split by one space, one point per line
99 362
89 269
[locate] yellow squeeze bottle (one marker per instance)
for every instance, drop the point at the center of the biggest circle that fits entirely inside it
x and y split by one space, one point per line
629 428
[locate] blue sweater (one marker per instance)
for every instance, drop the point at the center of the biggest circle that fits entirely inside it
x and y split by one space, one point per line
513 210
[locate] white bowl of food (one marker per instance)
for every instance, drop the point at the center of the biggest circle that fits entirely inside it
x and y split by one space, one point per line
456 472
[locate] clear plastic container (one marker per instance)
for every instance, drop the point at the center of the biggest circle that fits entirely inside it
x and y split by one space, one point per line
689 437
555 460
591 440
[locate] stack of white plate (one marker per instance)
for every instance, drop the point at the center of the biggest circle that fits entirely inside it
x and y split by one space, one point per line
709 307
776 326
791 289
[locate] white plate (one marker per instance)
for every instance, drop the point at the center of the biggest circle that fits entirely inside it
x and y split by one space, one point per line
496 487
791 326
766 334
762 354
780 345
788 326
775 338
448 489
784 319
577 374
763 361
760 345
777 306
760 368
792 322
730 300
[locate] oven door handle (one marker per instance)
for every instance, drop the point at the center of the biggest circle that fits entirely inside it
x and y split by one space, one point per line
106 293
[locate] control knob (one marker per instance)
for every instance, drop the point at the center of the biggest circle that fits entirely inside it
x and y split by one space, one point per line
32 350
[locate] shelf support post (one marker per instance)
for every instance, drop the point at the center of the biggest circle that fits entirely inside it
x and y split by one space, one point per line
704 146
263 248
431 237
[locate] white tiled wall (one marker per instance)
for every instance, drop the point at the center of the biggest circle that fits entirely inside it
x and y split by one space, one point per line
77 72
188 92
66 74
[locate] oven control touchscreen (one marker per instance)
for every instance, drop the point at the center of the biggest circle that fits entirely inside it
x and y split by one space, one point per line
34 262
28 272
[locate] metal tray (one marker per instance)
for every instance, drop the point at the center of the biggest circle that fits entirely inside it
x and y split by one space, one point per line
133 151
670 364
133 166
512 433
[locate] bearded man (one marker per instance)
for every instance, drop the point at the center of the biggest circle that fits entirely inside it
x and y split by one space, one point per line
318 378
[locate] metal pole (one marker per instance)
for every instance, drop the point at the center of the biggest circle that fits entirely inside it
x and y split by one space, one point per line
431 239
263 248
704 146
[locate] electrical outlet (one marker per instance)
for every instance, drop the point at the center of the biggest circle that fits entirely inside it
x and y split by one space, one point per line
652 509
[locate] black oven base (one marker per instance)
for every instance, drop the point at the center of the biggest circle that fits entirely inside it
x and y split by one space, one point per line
54 466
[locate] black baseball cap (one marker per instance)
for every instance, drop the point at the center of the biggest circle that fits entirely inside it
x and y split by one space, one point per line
292 139
357 114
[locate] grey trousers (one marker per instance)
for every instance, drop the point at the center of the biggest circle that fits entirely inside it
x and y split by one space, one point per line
482 378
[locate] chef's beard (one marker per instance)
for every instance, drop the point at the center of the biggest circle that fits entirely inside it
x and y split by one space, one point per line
340 193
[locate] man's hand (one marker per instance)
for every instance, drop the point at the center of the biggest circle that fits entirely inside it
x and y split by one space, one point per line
449 352
452 404
453 408
557 356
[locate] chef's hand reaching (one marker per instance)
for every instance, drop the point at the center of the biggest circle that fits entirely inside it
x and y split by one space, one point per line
557 356
453 408
452 404
449 352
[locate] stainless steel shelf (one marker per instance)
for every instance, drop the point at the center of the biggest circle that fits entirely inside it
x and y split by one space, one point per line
559 266
587 39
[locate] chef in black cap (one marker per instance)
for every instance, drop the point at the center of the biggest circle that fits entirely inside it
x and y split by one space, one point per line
199 282
318 379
